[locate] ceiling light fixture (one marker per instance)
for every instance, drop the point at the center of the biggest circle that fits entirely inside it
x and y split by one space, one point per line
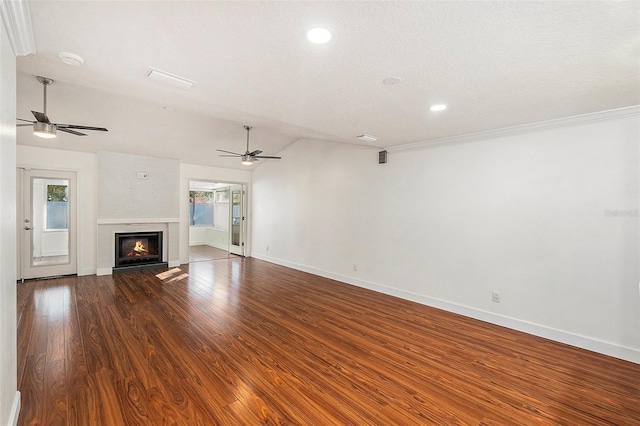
170 79
367 138
438 107
319 35
44 130
71 59
246 160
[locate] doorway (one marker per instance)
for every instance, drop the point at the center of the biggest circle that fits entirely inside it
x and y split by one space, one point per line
216 220
47 223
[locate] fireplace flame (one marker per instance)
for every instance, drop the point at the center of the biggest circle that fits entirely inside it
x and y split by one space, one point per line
138 250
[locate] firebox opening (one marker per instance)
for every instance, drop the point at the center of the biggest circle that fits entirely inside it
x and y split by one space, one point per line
138 249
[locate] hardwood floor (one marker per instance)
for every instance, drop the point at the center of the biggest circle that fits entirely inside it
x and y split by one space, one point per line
245 342
205 252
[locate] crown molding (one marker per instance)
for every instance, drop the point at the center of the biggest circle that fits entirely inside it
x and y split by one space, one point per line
525 128
17 19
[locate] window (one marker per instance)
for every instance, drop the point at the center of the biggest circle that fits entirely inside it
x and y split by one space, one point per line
57 207
201 208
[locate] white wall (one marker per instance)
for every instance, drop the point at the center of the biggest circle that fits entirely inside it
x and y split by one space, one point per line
122 194
85 166
207 235
9 397
531 215
189 172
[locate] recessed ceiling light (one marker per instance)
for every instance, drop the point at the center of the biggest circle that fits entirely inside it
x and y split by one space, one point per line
367 138
71 59
391 81
319 35
438 107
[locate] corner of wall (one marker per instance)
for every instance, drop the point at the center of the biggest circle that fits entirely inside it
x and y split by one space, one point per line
15 411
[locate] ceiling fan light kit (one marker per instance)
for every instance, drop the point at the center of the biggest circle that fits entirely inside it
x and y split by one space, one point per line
44 130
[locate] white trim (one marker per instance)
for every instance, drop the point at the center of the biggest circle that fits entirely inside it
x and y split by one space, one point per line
86 271
137 221
580 341
104 271
17 20
174 264
524 128
15 410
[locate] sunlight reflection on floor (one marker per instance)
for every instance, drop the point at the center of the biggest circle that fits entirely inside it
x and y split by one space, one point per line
168 274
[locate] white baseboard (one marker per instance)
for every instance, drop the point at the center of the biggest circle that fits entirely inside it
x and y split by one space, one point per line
86 271
219 246
15 410
174 263
580 341
104 271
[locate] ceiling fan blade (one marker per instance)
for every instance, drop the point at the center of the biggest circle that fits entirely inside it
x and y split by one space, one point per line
254 153
73 132
267 156
229 152
41 116
24 124
229 155
22 119
75 126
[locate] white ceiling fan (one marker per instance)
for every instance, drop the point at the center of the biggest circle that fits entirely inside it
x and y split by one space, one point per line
248 157
44 128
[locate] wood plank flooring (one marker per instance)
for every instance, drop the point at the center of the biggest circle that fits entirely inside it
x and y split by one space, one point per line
205 252
245 342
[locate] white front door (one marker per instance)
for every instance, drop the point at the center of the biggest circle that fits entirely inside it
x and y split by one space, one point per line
47 228
236 242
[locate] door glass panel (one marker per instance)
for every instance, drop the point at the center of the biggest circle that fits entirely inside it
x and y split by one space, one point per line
49 222
236 218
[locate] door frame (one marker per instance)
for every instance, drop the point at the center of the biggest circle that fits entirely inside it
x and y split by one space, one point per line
245 212
241 250
23 271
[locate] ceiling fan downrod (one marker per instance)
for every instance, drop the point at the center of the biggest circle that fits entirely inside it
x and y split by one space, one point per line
45 82
248 128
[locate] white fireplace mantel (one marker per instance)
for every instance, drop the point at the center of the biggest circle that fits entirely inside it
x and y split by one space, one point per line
137 221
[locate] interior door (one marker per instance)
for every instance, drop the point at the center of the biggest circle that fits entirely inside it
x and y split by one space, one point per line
236 242
47 232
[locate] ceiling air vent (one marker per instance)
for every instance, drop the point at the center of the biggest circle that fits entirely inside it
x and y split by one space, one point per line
170 79
367 138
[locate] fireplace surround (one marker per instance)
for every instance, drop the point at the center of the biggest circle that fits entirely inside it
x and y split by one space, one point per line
138 250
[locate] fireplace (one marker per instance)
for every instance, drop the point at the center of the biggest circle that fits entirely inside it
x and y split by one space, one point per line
138 250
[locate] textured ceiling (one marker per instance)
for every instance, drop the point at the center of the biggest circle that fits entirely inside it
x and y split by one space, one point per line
495 64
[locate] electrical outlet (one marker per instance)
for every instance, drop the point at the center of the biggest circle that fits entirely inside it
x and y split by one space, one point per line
267 248
495 296
355 267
